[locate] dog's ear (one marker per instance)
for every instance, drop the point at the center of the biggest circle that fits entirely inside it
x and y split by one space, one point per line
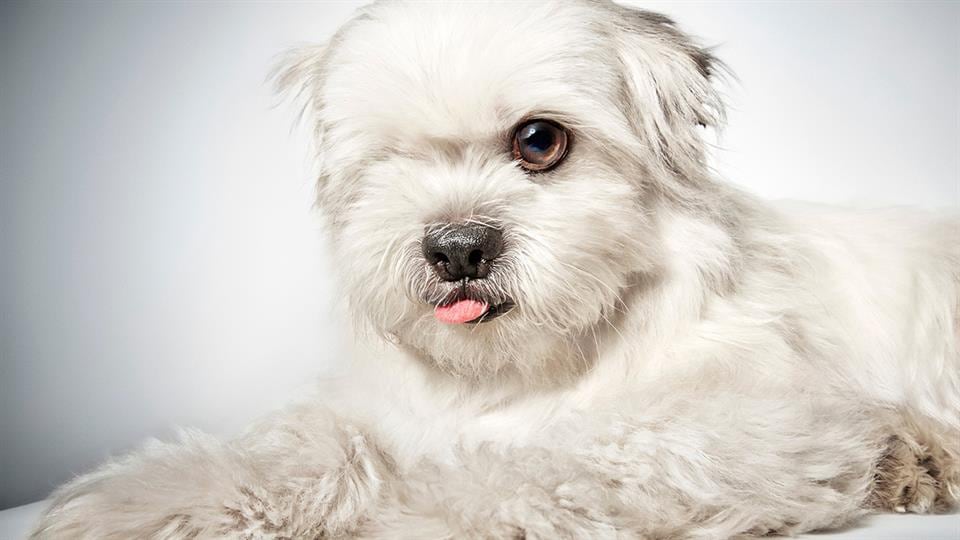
298 76
667 89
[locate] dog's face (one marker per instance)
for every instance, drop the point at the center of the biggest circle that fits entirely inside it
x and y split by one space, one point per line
490 171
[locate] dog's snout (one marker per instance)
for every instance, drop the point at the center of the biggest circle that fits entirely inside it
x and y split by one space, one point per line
462 251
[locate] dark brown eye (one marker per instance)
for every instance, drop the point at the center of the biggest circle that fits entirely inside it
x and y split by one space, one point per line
539 145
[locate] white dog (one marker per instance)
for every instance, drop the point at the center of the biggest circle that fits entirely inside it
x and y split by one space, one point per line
566 327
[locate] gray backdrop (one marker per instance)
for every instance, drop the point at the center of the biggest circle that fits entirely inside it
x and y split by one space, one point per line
159 261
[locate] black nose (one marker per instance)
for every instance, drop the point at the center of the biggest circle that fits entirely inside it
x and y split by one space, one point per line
462 251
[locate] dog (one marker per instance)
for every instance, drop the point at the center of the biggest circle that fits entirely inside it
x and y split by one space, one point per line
566 326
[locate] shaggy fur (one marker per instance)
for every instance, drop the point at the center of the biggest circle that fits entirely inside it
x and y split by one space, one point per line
683 361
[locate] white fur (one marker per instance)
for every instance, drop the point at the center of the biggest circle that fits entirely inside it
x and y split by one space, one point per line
683 362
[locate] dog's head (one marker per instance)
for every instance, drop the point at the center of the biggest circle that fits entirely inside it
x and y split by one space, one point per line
490 171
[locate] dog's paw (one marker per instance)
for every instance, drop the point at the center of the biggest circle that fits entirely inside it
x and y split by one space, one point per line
912 477
175 491
83 514
106 511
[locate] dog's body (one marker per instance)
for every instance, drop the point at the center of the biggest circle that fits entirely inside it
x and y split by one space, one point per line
681 361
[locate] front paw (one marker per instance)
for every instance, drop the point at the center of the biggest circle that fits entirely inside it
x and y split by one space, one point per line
83 510
164 491
202 488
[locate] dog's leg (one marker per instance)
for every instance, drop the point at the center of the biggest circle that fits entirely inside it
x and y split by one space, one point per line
707 467
303 474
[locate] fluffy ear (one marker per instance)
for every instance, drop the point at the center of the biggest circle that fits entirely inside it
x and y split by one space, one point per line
668 92
298 76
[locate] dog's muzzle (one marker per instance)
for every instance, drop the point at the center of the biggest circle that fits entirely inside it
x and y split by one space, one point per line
464 253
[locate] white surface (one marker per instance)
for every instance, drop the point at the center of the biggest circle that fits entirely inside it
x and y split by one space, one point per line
897 527
16 522
158 261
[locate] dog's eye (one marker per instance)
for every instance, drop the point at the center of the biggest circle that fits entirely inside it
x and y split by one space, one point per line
539 145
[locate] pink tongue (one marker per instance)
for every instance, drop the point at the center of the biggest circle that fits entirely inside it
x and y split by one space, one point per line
460 311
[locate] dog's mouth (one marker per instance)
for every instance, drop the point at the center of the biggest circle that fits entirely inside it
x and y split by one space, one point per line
464 306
